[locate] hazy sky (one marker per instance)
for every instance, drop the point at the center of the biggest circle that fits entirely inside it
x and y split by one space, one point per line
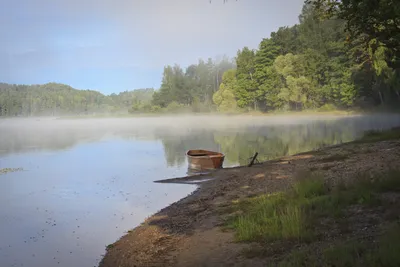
117 45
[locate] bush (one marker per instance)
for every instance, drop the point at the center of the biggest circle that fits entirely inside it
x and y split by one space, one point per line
155 109
174 107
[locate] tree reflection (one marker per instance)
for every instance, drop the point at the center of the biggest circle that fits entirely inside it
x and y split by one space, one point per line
271 141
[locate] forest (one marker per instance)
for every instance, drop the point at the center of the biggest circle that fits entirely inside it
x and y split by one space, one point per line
341 55
53 99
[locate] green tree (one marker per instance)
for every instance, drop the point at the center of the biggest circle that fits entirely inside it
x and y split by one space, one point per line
246 91
224 98
369 19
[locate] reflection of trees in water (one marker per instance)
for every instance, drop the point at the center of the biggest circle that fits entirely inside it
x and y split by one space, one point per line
271 141
238 143
277 141
238 147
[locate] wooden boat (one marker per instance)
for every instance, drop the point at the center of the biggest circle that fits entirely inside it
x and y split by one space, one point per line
204 159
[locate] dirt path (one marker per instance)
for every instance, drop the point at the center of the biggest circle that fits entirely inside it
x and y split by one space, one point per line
190 232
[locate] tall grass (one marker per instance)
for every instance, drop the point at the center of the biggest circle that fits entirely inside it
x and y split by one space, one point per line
290 215
382 253
278 216
309 186
269 216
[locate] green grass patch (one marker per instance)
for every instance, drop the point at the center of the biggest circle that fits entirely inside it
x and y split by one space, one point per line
269 217
388 182
291 215
382 253
387 252
302 258
110 246
363 190
309 186
346 254
277 216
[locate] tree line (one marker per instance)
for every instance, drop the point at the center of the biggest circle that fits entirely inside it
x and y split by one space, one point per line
341 54
181 91
60 99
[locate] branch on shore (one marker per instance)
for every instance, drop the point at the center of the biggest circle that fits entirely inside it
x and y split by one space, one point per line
253 159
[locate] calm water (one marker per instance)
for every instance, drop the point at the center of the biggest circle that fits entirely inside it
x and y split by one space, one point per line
86 182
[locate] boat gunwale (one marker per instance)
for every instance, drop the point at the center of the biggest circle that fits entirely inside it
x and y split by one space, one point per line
216 155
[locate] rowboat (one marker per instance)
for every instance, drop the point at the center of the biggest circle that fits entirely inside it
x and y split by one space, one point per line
200 159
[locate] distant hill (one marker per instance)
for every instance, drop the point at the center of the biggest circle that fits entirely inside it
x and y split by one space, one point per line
60 99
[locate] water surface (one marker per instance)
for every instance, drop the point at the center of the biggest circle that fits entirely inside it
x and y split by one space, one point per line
86 182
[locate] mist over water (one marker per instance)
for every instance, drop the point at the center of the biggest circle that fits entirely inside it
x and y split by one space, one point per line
87 181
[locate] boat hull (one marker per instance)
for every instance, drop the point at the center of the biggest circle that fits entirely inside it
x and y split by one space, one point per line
205 159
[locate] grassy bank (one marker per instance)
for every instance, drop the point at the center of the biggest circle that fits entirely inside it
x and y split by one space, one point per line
381 253
292 214
312 219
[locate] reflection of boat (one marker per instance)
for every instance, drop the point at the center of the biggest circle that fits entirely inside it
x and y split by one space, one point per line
204 159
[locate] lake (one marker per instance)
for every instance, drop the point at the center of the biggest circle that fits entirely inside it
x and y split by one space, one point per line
85 182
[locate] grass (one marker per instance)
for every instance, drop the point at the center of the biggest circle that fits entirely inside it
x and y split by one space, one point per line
268 216
110 246
295 218
345 254
302 258
291 215
387 251
309 186
277 216
353 253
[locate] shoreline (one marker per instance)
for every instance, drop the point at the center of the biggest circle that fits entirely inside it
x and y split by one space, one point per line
190 231
245 114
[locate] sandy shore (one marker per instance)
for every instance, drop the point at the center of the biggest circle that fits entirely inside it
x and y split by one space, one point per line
190 232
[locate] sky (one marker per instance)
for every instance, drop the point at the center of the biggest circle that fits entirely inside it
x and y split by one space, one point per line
117 45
